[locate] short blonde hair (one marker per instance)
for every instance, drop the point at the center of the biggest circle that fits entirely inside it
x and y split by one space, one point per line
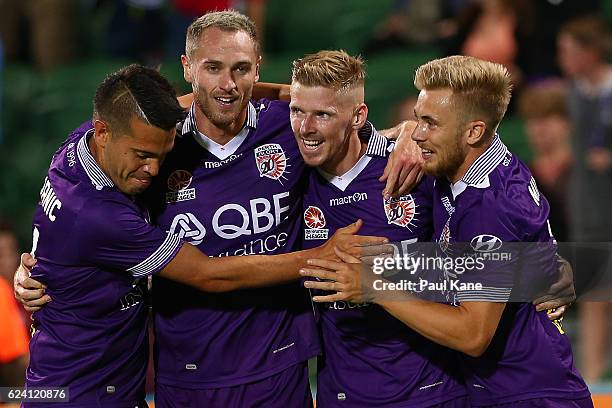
227 20
331 69
480 87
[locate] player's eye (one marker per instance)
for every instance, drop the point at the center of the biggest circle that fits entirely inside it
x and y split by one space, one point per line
294 110
212 68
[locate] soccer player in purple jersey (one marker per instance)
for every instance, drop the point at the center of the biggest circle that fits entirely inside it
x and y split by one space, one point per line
95 247
513 356
370 359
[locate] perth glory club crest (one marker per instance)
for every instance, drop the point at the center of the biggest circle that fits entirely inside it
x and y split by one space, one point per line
401 211
271 161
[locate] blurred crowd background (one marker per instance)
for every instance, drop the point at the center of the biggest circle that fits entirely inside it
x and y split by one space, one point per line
53 54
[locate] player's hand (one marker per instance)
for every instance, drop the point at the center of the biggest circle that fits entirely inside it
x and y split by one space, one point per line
371 252
560 294
185 101
344 278
404 167
29 292
346 240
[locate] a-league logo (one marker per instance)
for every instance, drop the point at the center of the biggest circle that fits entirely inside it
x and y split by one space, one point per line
271 161
401 211
315 223
314 218
178 181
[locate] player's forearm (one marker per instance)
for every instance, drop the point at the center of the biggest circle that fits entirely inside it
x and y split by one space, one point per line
455 327
254 271
271 90
223 274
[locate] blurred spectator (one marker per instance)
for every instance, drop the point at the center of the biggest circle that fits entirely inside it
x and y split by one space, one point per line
404 110
489 30
13 334
517 33
410 22
43 31
137 31
583 46
183 12
9 252
543 108
537 33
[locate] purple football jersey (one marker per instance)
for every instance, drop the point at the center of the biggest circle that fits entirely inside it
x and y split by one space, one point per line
495 203
95 249
242 198
371 359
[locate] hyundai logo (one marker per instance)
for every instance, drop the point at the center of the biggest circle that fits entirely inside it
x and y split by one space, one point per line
485 243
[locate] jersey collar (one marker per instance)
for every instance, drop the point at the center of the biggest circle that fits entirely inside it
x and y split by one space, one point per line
92 169
220 151
377 146
477 174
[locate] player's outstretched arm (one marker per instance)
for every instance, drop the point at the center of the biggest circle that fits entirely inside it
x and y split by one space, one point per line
192 267
468 328
212 274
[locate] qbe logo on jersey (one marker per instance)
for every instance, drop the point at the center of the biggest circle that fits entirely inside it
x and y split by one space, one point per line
188 228
271 161
315 223
401 211
178 182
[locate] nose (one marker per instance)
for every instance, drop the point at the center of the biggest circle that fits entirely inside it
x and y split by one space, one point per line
418 135
227 81
306 127
152 168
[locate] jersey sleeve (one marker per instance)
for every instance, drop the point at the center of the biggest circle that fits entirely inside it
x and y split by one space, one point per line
116 235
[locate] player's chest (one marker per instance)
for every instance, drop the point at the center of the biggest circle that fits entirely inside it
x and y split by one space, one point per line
326 209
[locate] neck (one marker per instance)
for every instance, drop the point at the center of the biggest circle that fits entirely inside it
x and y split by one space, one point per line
349 156
219 134
473 154
95 152
597 75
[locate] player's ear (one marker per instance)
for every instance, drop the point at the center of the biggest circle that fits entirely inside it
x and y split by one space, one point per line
476 132
360 116
102 132
186 69
257 64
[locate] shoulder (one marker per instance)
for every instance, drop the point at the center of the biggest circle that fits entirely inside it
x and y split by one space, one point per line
270 106
271 112
104 214
509 207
